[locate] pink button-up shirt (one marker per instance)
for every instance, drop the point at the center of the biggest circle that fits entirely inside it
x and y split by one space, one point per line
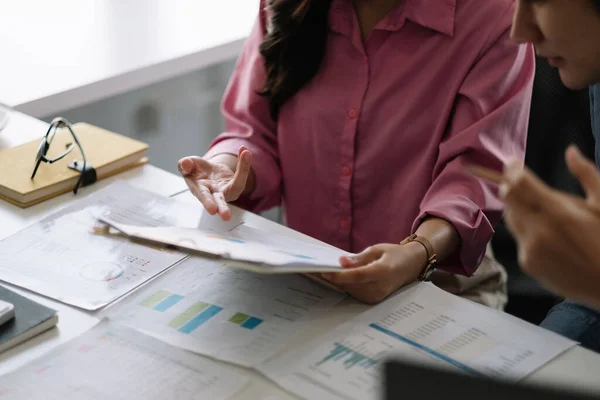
380 137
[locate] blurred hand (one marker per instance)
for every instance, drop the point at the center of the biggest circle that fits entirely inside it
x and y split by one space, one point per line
216 183
379 271
558 234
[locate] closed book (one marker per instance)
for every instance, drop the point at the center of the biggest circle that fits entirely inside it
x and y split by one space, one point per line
30 319
107 152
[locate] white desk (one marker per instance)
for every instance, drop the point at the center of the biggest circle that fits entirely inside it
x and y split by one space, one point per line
577 368
72 322
65 53
21 129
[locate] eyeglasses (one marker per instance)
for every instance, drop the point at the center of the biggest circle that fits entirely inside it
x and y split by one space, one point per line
82 168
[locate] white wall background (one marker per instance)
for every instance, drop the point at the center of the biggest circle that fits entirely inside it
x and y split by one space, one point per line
176 118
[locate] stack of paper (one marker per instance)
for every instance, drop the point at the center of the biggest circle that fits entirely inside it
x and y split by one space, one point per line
248 319
230 314
111 362
62 258
250 248
421 323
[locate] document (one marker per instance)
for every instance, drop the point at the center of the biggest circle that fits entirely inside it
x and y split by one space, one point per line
246 247
62 258
230 314
114 362
422 323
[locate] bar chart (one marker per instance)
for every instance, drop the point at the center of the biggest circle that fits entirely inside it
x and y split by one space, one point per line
432 352
348 357
245 321
348 362
422 324
161 300
348 367
226 313
194 317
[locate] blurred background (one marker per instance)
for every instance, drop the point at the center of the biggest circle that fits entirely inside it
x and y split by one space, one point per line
153 70
176 117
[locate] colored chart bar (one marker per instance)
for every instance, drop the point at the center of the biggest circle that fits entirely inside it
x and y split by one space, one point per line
168 302
252 323
337 351
426 349
245 321
155 299
239 318
200 319
233 240
188 314
348 357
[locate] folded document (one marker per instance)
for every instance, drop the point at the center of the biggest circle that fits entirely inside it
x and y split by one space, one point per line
248 248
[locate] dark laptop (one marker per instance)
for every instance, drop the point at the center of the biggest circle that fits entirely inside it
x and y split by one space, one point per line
406 381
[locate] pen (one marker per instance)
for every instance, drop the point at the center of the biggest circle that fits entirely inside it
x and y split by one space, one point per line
486 173
105 230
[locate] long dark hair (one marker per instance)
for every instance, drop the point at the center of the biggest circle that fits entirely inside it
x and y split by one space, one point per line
293 47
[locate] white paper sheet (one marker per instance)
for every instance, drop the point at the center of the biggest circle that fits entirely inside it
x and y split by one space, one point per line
115 362
422 323
226 313
60 257
254 251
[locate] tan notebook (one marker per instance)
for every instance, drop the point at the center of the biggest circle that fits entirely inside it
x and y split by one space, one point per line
108 152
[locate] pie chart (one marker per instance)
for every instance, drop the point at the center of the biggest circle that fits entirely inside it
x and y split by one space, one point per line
101 271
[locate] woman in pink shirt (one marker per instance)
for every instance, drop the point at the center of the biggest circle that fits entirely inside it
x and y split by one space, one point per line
359 118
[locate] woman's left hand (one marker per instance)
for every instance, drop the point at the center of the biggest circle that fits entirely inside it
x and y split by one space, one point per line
379 271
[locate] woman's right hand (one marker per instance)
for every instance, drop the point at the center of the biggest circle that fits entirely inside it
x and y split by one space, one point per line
217 181
558 234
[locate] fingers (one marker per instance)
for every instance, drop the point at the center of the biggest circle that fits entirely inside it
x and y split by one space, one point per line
373 272
368 293
188 166
222 207
212 185
213 202
586 172
203 194
363 258
367 266
519 223
237 185
521 188
540 248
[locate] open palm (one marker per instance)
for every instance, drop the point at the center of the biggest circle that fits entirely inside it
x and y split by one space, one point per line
216 178
215 184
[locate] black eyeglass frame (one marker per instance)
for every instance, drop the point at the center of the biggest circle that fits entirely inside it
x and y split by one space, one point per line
55 125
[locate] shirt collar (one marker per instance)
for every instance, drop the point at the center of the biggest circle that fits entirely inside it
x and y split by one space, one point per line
433 14
437 15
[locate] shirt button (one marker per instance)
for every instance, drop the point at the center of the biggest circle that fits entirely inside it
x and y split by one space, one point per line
346 171
345 224
352 113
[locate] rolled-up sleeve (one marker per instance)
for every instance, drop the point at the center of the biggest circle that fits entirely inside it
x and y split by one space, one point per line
488 127
248 122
